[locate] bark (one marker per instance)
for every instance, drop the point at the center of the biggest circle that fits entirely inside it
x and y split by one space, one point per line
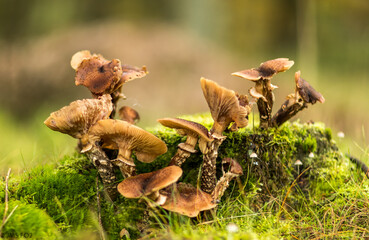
106 171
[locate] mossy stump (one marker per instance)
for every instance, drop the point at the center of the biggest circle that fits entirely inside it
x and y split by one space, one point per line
67 192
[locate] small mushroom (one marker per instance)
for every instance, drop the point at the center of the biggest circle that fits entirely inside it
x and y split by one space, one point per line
125 137
234 169
187 200
226 107
128 114
193 131
263 87
75 120
149 184
296 102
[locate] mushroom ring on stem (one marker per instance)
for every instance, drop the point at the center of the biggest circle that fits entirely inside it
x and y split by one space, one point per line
193 131
263 87
125 137
75 120
149 184
296 102
226 107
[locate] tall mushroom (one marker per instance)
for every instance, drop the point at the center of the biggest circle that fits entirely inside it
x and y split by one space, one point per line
234 169
102 76
225 107
187 200
263 89
304 94
193 131
125 137
75 120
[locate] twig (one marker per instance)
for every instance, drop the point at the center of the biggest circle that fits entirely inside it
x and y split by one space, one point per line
6 202
99 209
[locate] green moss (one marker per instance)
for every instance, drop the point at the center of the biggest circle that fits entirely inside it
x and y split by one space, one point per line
266 200
27 221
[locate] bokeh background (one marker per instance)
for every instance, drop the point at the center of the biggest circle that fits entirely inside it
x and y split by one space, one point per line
179 42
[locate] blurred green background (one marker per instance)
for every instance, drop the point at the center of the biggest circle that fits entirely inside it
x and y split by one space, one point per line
179 42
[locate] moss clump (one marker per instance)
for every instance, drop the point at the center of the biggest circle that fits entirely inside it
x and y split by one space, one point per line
27 221
272 184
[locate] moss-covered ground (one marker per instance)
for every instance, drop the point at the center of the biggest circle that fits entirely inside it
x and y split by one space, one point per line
326 197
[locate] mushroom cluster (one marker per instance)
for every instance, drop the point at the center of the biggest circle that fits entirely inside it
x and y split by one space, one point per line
92 122
263 92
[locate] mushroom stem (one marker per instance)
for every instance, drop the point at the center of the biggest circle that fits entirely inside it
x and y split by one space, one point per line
208 169
265 107
179 157
222 185
288 109
184 151
105 169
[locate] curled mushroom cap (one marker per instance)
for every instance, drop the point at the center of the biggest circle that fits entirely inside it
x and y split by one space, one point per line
121 135
225 106
76 118
146 184
98 75
306 91
128 114
266 70
78 57
188 200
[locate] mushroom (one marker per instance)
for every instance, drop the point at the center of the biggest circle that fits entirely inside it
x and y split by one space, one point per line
102 76
263 87
75 120
193 131
125 137
128 114
149 184
296 102
234 169
187 200
226 107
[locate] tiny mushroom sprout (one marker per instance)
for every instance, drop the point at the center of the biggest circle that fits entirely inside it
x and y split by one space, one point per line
225 107
149 184
193 131
187 200
102 76
304 94
125 137
128 114
263 87
234 169
76 120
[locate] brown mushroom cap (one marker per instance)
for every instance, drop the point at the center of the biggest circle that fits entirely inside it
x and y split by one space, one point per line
266 70
188 200
188 127
78 57
128 114
232 166
148 183
132 72
76 119
98 75
118 134
306 91
224 106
